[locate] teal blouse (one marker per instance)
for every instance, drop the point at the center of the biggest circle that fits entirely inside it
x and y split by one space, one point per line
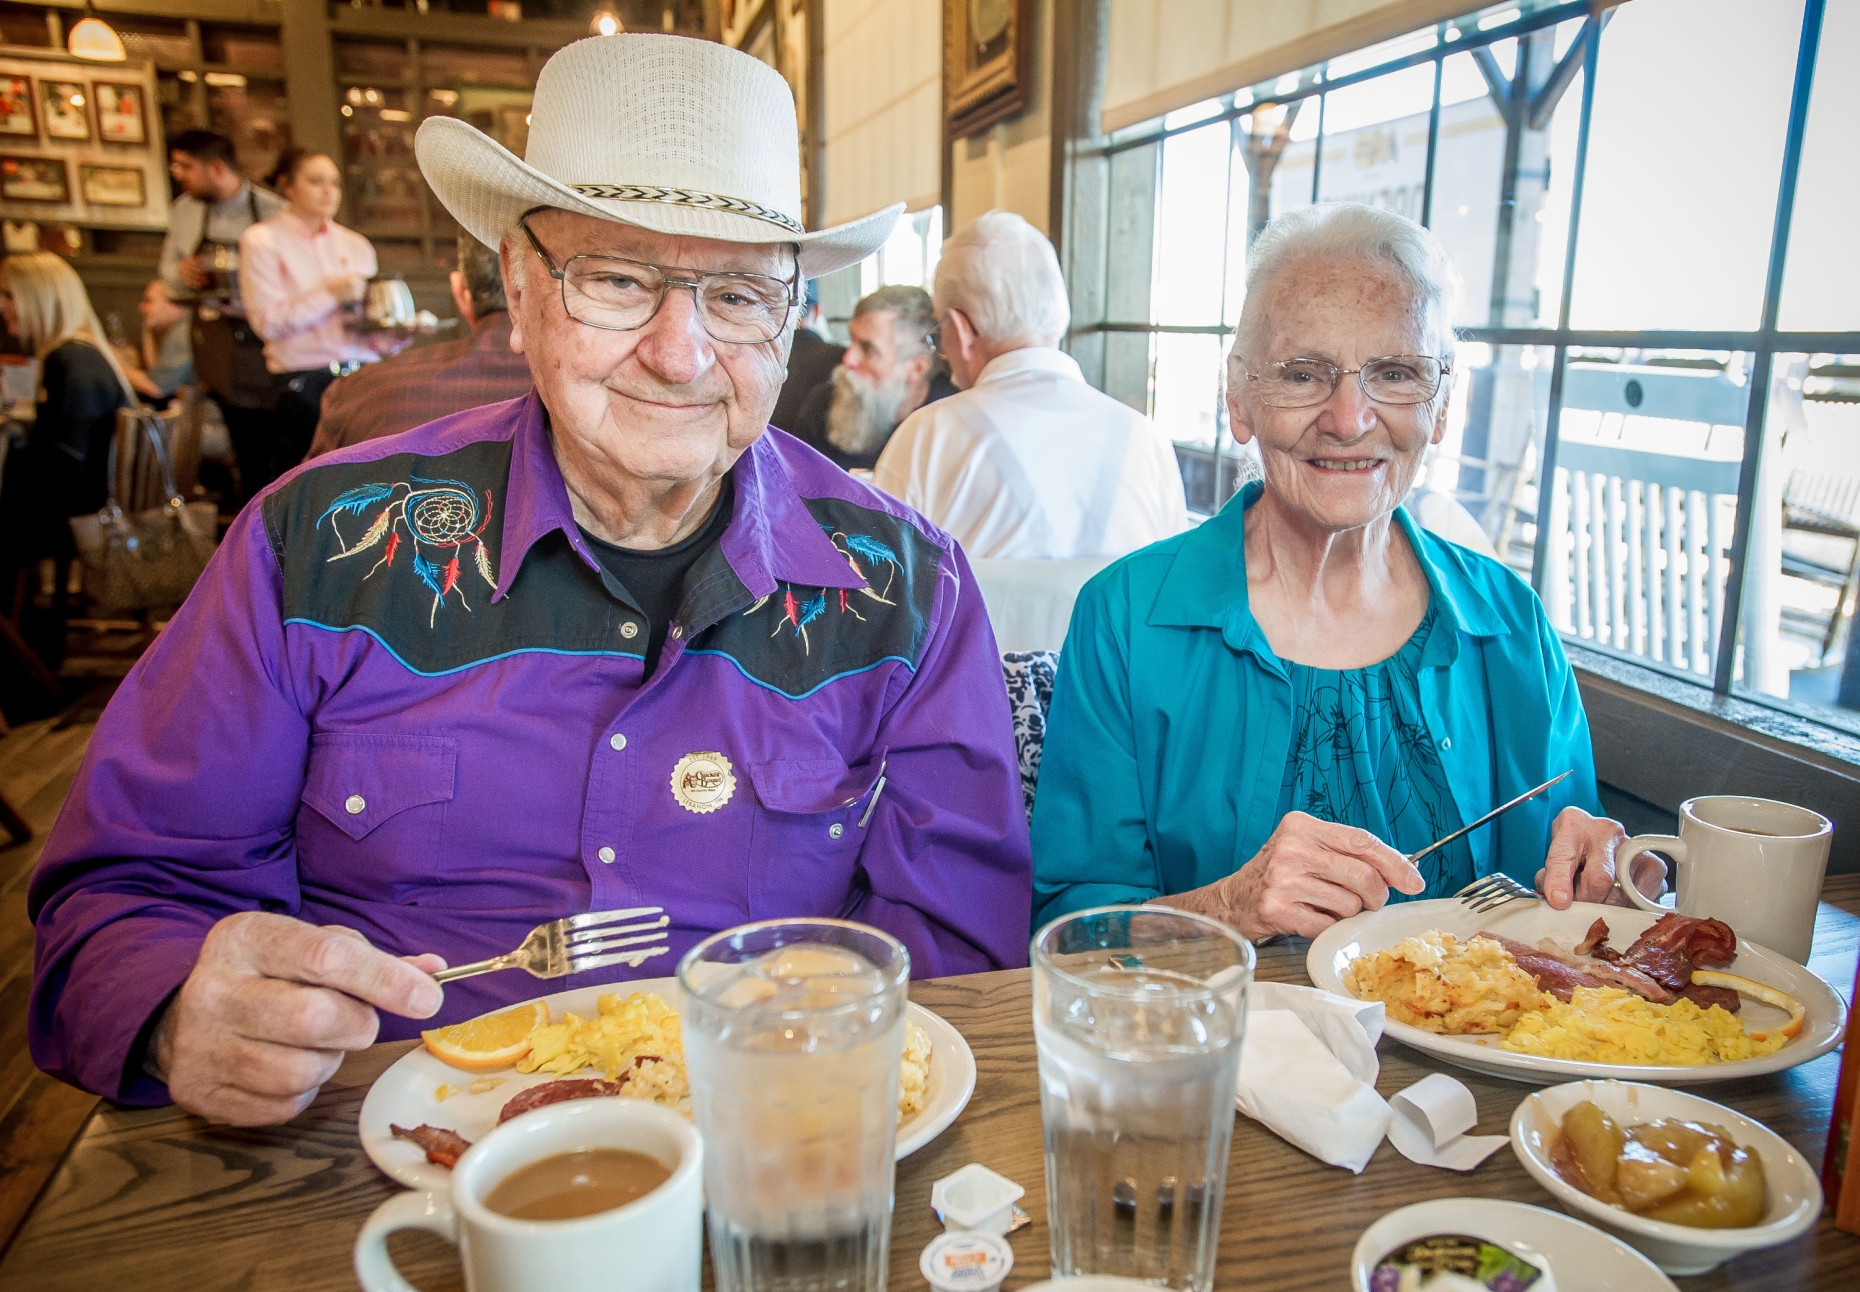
1361 756
1172 720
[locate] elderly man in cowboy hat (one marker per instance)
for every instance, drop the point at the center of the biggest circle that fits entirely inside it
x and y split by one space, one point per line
612 646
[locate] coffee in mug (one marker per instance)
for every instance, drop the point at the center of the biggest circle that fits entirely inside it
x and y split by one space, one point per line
538 1203
1754 863
581 1183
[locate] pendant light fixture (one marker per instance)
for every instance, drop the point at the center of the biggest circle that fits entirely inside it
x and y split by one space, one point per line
93 38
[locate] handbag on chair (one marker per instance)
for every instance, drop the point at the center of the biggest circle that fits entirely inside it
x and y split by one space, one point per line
148 559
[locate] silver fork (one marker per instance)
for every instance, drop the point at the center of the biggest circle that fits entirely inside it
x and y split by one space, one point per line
1494 891
576 944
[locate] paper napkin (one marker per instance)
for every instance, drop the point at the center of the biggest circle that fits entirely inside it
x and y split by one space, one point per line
1431 1120
1308 1072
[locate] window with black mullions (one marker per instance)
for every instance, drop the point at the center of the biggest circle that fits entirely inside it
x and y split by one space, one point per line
1654 409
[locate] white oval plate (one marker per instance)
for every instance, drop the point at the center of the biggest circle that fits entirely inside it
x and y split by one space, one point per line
403 1095
1526 922
1586 1259
1794 1183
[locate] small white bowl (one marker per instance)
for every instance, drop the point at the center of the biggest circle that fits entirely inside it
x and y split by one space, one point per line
1590 1260
1794 1190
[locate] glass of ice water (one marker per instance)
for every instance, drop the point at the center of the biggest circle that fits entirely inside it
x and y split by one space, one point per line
793 1032
1138 1013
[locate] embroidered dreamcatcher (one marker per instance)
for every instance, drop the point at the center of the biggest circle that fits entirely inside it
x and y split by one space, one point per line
435 515
798 612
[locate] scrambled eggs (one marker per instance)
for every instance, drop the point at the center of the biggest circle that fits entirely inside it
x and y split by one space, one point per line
1608 1025
640 1033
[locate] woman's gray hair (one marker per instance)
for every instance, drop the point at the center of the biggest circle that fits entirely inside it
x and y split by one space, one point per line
1372 235
1003 274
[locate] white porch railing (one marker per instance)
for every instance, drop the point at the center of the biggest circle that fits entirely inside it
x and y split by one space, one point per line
1639 551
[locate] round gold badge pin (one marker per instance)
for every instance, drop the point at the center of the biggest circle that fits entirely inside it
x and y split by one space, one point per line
703 782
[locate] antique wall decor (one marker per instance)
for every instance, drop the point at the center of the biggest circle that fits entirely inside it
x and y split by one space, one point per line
17 119
34 179
122 113
113 185
80 144
66 107
987 61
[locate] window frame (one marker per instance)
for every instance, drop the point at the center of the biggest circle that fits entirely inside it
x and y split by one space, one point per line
1763 343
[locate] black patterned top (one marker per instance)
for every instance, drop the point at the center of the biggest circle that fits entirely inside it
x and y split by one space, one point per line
1361 755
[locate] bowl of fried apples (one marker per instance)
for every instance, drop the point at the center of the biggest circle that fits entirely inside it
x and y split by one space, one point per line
1689 1182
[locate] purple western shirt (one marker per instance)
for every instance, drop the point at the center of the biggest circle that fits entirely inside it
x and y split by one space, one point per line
405 698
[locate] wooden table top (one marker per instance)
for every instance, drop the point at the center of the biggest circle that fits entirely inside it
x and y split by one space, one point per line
156 1200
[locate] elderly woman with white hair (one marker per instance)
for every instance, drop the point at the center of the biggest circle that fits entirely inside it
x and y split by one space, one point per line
1262 718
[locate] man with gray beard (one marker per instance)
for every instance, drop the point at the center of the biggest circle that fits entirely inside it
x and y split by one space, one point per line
890 370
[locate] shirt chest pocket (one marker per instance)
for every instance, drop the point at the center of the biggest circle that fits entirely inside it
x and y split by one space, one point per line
377 813
804 845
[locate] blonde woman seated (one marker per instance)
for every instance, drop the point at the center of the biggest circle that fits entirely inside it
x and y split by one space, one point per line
81 385
1259 719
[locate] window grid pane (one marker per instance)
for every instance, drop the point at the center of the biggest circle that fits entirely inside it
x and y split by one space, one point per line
1642 507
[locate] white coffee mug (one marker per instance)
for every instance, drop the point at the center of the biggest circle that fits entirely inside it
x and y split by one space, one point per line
653 1244
1756 864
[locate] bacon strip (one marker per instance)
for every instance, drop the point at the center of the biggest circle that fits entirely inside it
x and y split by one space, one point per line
1596 937
443 1147
1560 974
1674 945
555 1092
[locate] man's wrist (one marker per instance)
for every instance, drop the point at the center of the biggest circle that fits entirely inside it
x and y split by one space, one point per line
157 1049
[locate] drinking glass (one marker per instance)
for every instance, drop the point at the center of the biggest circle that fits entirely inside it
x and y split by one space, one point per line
1138 1013
794 1032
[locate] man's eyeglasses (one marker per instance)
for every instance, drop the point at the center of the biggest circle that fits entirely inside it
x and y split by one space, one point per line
619 295
1393 379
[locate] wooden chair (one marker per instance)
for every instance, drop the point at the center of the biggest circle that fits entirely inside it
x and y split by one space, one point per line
138 484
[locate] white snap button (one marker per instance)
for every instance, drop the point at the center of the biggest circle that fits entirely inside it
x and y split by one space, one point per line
355 804
1446 742
606 855
629 630
618 741
835 830
678 630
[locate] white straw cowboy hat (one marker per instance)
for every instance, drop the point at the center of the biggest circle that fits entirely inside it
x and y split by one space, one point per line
669 133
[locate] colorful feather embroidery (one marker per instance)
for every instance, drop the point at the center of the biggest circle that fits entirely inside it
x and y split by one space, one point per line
797 614
439 517
876 554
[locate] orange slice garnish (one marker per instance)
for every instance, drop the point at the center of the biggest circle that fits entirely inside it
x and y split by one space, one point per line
1759 991
490 1040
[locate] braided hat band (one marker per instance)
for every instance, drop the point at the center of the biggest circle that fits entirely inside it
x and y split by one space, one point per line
688 197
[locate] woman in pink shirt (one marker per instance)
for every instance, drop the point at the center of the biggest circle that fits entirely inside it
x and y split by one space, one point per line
299 274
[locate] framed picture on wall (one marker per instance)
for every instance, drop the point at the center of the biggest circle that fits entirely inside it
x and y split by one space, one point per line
17 119
121 117
67 115
113 185
987 61
34 179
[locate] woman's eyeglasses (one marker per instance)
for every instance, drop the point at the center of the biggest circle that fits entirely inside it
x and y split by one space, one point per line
1393 379
621 295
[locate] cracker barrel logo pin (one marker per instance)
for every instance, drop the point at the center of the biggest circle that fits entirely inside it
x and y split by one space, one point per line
703 782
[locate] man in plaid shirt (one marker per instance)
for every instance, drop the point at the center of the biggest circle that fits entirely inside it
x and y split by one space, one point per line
431 381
